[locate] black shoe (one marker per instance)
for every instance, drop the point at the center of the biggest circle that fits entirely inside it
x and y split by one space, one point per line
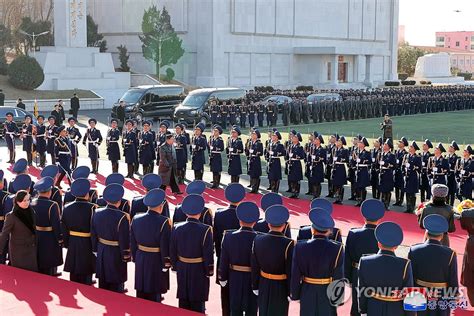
57 274
249 186
337 202
308 193
397 204
269 188
408 211
352 198
358 204
288 191
293 196
330 196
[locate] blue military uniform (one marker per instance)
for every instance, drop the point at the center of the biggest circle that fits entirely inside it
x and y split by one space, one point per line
339 176
234 149
362 172
56 196
150 240
198 148
224 112
360 242
304 233
316 160
438 168
129 139
294 156
373 273
195 187
20 167
41 142
216 147
182 142
93 137
27 136
235 262
452 184
232 114
268 200
3 211
149 182
465 174
425 187
254 163
411 170
192 257
260 114
374 170
113 149
443 275
146 150
10 130
76 228
75 138
78 173
387 164
115 178
276 151
316 263
51 132
271 265
111 241
63 157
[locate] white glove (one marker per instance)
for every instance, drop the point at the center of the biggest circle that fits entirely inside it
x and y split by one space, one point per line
212 147
358 160
291 155
289 298
164 270
271 152
382 162
423 164
251 151
407 165
223 283
398 161
231 149
255 292
334 159
193 146
435 169
373 159
463 171
313 157
158 143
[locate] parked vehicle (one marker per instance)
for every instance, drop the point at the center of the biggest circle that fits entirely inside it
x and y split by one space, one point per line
194 109
156 102
279 100
317 97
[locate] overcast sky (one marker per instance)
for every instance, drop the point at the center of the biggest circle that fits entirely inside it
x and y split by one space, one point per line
422 18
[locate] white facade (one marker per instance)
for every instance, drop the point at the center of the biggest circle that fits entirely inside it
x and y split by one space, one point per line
283 43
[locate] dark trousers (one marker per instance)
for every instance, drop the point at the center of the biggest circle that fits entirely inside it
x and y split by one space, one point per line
234 179
411 202
386 197
254 184
81 278
275 186
115 166
173 184
47 271
470 295
199 307
338 193
154 297
251 311
375 192
225 301
198 174
216 180
316 191
114 287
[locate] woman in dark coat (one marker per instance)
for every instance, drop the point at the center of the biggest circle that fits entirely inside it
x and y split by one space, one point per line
19 227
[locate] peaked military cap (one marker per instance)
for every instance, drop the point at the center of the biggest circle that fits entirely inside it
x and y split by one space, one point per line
248 212
322 203
404 141
277 215
372 209
151 181
20 165
196 187
435 224
389 234
234 193
44 184
321 219
154 198
113 193
219 128
428 143
80 187
441 147
270 199
22 182
454 145
81 172
115 178
193 204
414 145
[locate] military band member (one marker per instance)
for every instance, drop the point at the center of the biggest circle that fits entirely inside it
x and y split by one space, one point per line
438 166
216 148
20 167
375 153
442 276
234 149
252 110
146 148
254 152
150 239
373 274
295 154
387 164
452 161
63 155
235 261
40 138
27 137
271 264
340 158
149 182
93 137
465 173
48 228
129 150
182 142
224 112
198 148
362 173
136 130
214 111
75 138
233 111
270 199
10 131
317 158
360 242
260 114
276 150
243 109
112 142
411 165
399 180
195 187
425 187
304 233
307 149
51 132
76 228
316 263
111 240
191 253
330 149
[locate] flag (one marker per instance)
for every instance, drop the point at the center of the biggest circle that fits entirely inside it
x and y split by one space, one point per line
35 109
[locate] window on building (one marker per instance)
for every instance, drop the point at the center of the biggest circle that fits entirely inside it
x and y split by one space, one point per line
472 38
457 44
465 47
465 38
329 71
439 45
461 62
472 46
449 46
468 61
440 38
454 61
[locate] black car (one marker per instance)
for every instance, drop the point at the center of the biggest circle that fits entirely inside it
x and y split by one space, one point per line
150 101
279 100
318 97
194 109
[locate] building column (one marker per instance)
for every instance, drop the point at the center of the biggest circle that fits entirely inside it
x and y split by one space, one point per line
334 69
368 71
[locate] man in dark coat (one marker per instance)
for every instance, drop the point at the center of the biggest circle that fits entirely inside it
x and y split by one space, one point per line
112 143
198 147
2 98
20 104
234 150
254 163
295 154
181 146
216 147
121 113
386 127
75 106
94 138
167 164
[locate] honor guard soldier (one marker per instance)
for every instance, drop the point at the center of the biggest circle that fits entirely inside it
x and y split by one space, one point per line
317 159
351 166
330 150
75 138
276 150
373 274
3 196
307 161
52 132
10 131
411 164
48 228
196 187
360 242
438 206
452 161
192 257
465 173
56 194
150 240
63 155
112 143
260 114
129 148
254 152
146 150
271 264
243 114
76 228
81 172
214 111
269 108
40 137
216 147
136 130
442 276
198 148
467 273
19 167
399 180
362 173
295 171
234 149
304 233
27 137
161 138
93 137
226 219
438 166
235 261
316 263
233 110
252 111
150 182
425 187
111 240
224 112
387 164
182 142
268 200
340 158
374 167
115 178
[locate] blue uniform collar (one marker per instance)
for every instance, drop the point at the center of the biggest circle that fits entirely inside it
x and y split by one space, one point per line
194 220
386 252
320 237
249 229
275 233
372 226
433 242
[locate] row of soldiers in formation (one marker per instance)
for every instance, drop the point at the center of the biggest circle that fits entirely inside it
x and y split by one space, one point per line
259 266
384 170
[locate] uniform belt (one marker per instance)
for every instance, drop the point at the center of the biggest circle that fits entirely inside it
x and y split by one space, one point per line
385 168
439 174
339 163
148 249
113 141
42 135
363 166
2 218
191 260
216 152
293 159
431 284
44 228
234 154
317 281
276 277
355 264
240 268
10 132
386 298
64 153
106 242
275 157
79 234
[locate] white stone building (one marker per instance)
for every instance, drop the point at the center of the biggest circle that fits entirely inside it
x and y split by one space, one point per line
283 43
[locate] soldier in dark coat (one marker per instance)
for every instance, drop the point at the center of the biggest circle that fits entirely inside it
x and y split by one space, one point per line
167 164
467 274
191 253
234 150
51 132
81 172
453 162
411 165
386 127
149 182
260 114
198 148
270 199
63 155
340 159
40 138
161 138
75 106
10 131
224 112
27 137
216 147
146 148
387 164
252 110
286 113
425 187
196 187
271 264
243 110
112 142
129 150
276 150
330 150
254 163
214 111
182 142
304 233
115 178
93 137
269 108
316 158
375 153
150 239
438 166
399 182
362 171
76 228
75 138
234 269
294 156
465 173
